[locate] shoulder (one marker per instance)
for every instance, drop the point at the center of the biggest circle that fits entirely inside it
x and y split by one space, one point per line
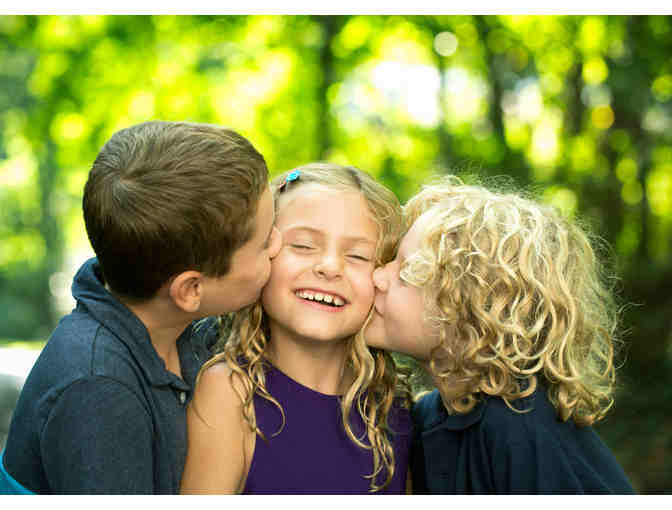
219 442
82 346
529 425
104 394
72 360
428 411
214 380
521 415
98 406
216 396
399 417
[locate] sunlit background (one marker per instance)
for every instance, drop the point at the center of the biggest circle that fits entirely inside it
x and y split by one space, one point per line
577 107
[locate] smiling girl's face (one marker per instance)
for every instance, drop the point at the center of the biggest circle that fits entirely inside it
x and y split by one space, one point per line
321 287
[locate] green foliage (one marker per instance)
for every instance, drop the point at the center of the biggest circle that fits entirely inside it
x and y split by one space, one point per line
578 106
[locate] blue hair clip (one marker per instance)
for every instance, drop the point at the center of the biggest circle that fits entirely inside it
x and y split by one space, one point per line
291 176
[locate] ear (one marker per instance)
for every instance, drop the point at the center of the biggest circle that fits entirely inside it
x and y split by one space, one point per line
186 290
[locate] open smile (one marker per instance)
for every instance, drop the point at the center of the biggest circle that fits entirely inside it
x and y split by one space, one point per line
321 297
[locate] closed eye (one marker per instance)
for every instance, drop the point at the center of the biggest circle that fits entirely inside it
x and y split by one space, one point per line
360 257
301 246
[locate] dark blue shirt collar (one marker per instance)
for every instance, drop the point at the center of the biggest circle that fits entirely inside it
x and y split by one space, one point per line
89 291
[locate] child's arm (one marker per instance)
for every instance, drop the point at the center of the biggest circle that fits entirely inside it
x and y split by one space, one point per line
217 437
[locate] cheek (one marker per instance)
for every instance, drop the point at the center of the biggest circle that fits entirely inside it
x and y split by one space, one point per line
365 287
278 265
283 271
407 306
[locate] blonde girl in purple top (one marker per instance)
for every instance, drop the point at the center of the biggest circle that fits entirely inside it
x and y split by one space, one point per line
295 402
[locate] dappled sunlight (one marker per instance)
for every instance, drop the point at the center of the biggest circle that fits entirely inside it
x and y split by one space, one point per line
525 103
142 105
602 116
563 198
596 95
17 171
544 148
626 170
576 107
632 192
659 190
28 247
247 89
595 71
517 132
355 34
404 42
445 44
412 89
662 87
466 95
49 67
402 93
17 362
582 154
657 120
592 34
60 282
68 127
630 237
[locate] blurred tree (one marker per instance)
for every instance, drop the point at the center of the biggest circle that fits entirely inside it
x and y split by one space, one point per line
577 107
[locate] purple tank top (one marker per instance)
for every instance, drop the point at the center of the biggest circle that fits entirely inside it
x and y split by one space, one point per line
313 454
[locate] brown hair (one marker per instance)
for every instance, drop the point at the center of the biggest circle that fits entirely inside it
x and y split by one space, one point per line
165 197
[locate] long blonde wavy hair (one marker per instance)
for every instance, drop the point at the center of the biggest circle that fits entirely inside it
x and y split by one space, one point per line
376 383
521 296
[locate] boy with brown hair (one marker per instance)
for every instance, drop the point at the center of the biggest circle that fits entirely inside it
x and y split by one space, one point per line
180 217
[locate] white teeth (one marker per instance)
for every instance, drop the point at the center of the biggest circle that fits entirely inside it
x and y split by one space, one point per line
319 296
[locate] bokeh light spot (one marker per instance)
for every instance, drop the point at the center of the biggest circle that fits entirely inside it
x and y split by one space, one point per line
445 44
595 71
602 116
626 170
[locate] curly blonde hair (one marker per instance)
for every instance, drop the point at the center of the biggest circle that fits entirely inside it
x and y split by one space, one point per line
522 297
376 382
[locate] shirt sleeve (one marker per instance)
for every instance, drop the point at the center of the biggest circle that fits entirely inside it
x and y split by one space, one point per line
98 439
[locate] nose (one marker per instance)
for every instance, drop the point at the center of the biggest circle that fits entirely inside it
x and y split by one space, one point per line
275 244
329 265
380 279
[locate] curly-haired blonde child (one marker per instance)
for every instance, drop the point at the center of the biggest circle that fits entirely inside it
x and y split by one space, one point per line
295 402
504 303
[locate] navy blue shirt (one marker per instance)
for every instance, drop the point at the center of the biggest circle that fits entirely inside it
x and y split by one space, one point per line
99 413
494 450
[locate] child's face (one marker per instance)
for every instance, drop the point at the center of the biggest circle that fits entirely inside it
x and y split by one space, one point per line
250 265
320 288
399 320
